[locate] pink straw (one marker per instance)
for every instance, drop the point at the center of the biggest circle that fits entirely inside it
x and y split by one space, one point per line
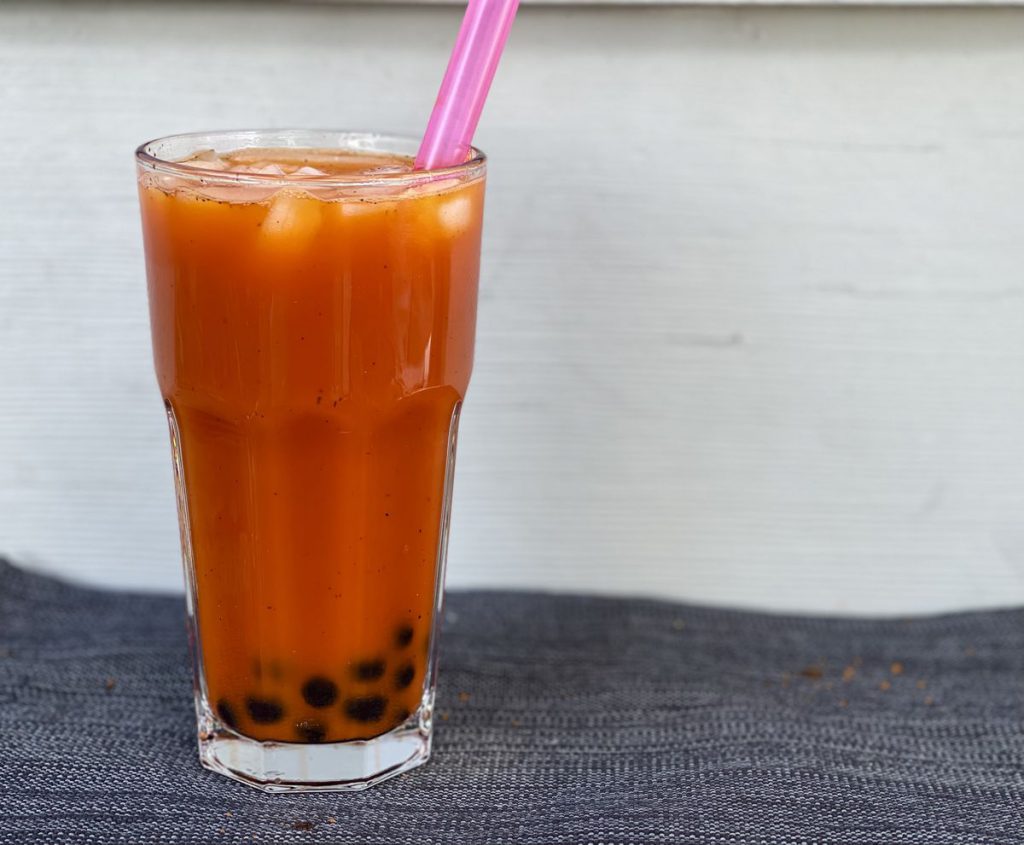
466 83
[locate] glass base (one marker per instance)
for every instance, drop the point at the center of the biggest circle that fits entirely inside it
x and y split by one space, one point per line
320 767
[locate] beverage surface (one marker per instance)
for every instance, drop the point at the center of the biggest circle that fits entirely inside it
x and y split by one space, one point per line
302 162
313 346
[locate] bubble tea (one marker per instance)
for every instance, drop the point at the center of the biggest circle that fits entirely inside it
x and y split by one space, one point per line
313 307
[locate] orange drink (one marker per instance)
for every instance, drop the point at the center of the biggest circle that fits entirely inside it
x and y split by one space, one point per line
313 309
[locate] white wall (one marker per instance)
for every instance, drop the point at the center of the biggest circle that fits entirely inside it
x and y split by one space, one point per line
752 325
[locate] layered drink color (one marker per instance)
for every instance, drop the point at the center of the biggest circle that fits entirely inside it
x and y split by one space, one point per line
313 307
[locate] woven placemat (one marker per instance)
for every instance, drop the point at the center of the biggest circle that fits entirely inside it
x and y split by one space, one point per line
563 719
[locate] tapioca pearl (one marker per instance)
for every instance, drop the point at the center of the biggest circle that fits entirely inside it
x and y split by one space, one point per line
319 691
367 708
264 711
310 730
369 670
403 636
401 714
227 713
404 675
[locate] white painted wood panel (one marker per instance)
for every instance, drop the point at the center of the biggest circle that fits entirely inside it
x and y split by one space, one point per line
690 3
752 305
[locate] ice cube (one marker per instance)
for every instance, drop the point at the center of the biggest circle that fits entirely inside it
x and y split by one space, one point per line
235 192
355 208
207 160
261 167
455 213
168 181
293 219
352 208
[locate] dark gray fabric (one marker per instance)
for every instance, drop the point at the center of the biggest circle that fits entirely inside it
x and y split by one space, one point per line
563 719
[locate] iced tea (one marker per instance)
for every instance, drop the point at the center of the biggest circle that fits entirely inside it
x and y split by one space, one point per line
313 315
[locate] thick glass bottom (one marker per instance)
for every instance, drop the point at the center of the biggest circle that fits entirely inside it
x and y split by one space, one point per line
316 767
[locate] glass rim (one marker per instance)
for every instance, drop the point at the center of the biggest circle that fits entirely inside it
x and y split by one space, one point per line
147 159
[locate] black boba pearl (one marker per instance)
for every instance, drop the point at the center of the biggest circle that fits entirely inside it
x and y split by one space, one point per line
310 730
368 670
227 713
401 714
404 676
320 692
263 711
403 636
366 709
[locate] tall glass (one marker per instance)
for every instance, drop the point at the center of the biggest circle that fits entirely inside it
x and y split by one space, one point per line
313 340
